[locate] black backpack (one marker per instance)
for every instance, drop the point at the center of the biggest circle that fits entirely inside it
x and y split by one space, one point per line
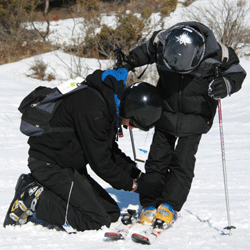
39 106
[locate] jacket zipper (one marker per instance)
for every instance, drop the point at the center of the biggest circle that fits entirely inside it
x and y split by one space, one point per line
180 93
179 105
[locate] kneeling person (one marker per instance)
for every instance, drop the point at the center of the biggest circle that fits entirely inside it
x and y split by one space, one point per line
59 189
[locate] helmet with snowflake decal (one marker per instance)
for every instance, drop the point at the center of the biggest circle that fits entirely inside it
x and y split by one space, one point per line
184 49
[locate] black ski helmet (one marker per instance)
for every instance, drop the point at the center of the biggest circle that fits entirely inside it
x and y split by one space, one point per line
184 49
142 103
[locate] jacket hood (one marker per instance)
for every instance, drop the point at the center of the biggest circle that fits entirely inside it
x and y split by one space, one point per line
110 84
94 80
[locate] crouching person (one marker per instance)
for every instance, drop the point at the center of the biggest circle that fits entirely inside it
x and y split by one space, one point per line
84 126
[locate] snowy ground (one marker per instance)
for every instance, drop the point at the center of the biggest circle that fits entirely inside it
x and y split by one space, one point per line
203 215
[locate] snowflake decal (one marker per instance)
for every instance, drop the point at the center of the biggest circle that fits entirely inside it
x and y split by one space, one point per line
183 39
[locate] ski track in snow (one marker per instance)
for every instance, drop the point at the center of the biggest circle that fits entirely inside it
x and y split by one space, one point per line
204 214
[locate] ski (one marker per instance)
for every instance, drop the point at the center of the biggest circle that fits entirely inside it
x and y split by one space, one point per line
148 236
127 222
120 233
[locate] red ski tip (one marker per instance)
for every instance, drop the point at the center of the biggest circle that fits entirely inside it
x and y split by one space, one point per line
140 236
140 239
113 234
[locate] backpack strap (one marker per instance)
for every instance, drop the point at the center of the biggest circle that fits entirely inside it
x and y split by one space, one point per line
225 52
97 93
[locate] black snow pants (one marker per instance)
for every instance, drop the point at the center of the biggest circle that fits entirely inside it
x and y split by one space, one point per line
90 206
171 162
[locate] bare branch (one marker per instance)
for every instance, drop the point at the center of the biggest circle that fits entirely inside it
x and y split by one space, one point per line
227 19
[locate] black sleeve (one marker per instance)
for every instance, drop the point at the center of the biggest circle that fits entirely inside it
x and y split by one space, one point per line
145 53
94 128
233 71
236 79
139 56
125 162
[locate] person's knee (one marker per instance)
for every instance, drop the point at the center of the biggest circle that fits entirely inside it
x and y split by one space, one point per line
115 216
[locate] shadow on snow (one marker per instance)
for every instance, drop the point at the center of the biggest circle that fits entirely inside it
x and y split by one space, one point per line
124 198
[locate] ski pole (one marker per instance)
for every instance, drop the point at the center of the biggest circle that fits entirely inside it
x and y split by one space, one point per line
120 56
132 143
133 146
229 227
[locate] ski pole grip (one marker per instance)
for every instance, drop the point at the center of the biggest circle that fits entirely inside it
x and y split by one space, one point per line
118 53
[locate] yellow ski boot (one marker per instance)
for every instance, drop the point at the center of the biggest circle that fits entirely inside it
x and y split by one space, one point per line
147 215
166 214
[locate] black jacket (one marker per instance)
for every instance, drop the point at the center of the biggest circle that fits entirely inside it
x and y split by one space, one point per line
92 115
187 107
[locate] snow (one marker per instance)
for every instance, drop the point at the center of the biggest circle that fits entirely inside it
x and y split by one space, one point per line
203 216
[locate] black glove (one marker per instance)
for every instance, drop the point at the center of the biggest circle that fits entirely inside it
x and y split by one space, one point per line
149 189
124 62
219 88
125 65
